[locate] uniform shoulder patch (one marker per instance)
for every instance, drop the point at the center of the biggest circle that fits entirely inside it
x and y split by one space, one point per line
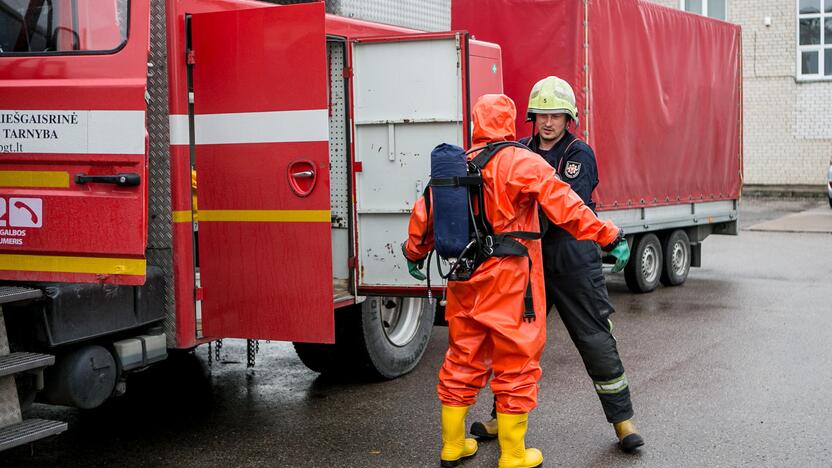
572 169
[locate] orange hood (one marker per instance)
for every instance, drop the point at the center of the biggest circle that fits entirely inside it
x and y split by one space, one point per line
494 116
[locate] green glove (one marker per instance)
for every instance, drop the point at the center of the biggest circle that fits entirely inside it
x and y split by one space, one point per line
414 267
621 252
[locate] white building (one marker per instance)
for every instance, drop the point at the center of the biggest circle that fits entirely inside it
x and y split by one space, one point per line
787 85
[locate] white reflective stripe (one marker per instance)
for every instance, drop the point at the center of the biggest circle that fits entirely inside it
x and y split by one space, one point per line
72 131
612 386
116 132
178 129
252 127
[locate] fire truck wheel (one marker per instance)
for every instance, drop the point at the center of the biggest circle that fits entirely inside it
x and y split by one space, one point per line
676 249
384 337
395 332
645 267
321 358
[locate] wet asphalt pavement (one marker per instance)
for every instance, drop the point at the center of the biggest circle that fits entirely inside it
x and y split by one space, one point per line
732 368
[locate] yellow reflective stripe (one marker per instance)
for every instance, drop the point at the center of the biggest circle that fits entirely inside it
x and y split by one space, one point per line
182 216
45 179
62 264
274 216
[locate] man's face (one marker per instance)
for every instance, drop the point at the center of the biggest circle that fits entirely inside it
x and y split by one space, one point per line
550 127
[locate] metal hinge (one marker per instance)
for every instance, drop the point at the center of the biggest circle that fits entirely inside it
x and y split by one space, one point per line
190 57
347 72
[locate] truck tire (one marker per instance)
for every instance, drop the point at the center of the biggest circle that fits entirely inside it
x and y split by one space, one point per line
340 357
383 337
676 251
320 358
644 270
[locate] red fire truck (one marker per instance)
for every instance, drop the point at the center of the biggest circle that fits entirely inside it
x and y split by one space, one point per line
307 137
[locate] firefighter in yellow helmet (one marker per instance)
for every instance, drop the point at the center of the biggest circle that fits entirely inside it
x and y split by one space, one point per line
572 268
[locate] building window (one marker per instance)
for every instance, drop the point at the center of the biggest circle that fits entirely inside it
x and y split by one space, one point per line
814 39
712 8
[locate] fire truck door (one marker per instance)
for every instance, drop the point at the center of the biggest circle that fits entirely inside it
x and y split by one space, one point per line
261 158
73 148
411 93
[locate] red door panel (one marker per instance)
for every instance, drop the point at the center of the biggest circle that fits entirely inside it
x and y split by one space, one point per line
261 135
72 115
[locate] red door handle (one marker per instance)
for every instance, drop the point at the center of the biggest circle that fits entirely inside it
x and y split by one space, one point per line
302 177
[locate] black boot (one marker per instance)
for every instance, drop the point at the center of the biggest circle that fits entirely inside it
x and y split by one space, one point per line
628 438
484 431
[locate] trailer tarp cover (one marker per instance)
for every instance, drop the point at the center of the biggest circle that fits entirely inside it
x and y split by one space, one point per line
661 97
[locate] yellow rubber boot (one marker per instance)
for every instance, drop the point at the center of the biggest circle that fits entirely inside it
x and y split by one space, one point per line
628 437
511 433
455 447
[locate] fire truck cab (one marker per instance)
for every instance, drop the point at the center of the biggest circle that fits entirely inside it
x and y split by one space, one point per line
175 173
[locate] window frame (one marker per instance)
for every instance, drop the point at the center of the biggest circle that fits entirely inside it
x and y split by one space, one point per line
125 39
825 43
704 12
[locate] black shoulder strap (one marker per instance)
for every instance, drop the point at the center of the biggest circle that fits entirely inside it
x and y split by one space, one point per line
427 195
489 150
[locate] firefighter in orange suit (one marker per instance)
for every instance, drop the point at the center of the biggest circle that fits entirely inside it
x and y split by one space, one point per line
485 331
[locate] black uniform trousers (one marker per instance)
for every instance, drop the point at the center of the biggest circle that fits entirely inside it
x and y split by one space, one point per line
582 302
576 287
575 283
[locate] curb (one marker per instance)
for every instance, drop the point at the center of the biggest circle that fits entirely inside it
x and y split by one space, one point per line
785 191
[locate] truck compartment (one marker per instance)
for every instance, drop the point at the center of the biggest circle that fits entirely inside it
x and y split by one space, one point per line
340 175
409 97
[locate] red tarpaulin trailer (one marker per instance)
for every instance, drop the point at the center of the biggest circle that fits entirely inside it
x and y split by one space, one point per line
658 89
659 93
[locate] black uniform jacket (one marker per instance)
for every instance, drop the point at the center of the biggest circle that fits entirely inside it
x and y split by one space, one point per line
575 164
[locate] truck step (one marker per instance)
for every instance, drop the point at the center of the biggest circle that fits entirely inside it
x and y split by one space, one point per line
29 430
16 293
14 363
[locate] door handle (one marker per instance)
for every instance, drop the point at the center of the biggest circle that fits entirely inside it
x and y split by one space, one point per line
126 179
302 175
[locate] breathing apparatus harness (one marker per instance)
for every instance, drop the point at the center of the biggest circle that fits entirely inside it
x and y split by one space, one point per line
483 242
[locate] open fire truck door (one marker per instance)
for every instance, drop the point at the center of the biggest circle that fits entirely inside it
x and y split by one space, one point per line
260 150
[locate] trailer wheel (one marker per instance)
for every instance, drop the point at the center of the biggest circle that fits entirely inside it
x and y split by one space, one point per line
384 337
643 271
676 250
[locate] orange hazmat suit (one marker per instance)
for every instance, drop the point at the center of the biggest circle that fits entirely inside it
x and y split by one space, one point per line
485 328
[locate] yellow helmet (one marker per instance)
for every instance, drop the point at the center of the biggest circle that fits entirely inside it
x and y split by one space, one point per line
552 95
